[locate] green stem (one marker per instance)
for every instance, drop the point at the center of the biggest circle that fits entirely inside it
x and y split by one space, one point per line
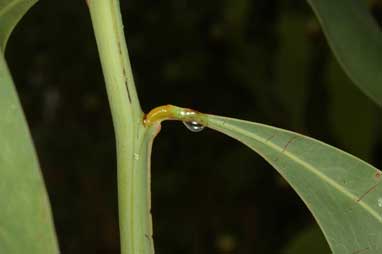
132 138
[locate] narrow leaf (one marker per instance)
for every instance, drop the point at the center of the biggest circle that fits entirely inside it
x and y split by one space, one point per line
309 240
11 11
343 193
355 40
25 217
26 224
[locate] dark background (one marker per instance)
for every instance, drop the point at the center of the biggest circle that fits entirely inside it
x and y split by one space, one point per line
260 60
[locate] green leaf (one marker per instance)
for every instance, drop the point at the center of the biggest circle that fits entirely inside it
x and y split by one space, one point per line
26 224
11 11
341 191
309 240
355 40
342 112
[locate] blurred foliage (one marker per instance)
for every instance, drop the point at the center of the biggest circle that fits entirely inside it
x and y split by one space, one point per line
261 60
309 239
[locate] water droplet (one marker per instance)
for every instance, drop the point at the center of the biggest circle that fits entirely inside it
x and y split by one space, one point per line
136 156
380 202
194 126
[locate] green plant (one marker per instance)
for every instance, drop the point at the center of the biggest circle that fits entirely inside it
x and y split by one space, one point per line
26 220
339 189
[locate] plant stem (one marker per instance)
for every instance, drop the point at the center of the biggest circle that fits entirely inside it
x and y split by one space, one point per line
132 137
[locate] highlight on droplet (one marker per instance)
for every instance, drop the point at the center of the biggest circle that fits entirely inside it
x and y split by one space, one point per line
193 126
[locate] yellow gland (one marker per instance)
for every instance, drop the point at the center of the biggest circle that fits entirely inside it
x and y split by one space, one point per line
158 114
168 112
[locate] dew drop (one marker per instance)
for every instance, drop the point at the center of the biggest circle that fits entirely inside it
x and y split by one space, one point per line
194 126
380 202
136 156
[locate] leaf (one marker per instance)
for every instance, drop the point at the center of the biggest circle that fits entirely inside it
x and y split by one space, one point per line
341 191
26 224
355 40
342 112
309 240
11 11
